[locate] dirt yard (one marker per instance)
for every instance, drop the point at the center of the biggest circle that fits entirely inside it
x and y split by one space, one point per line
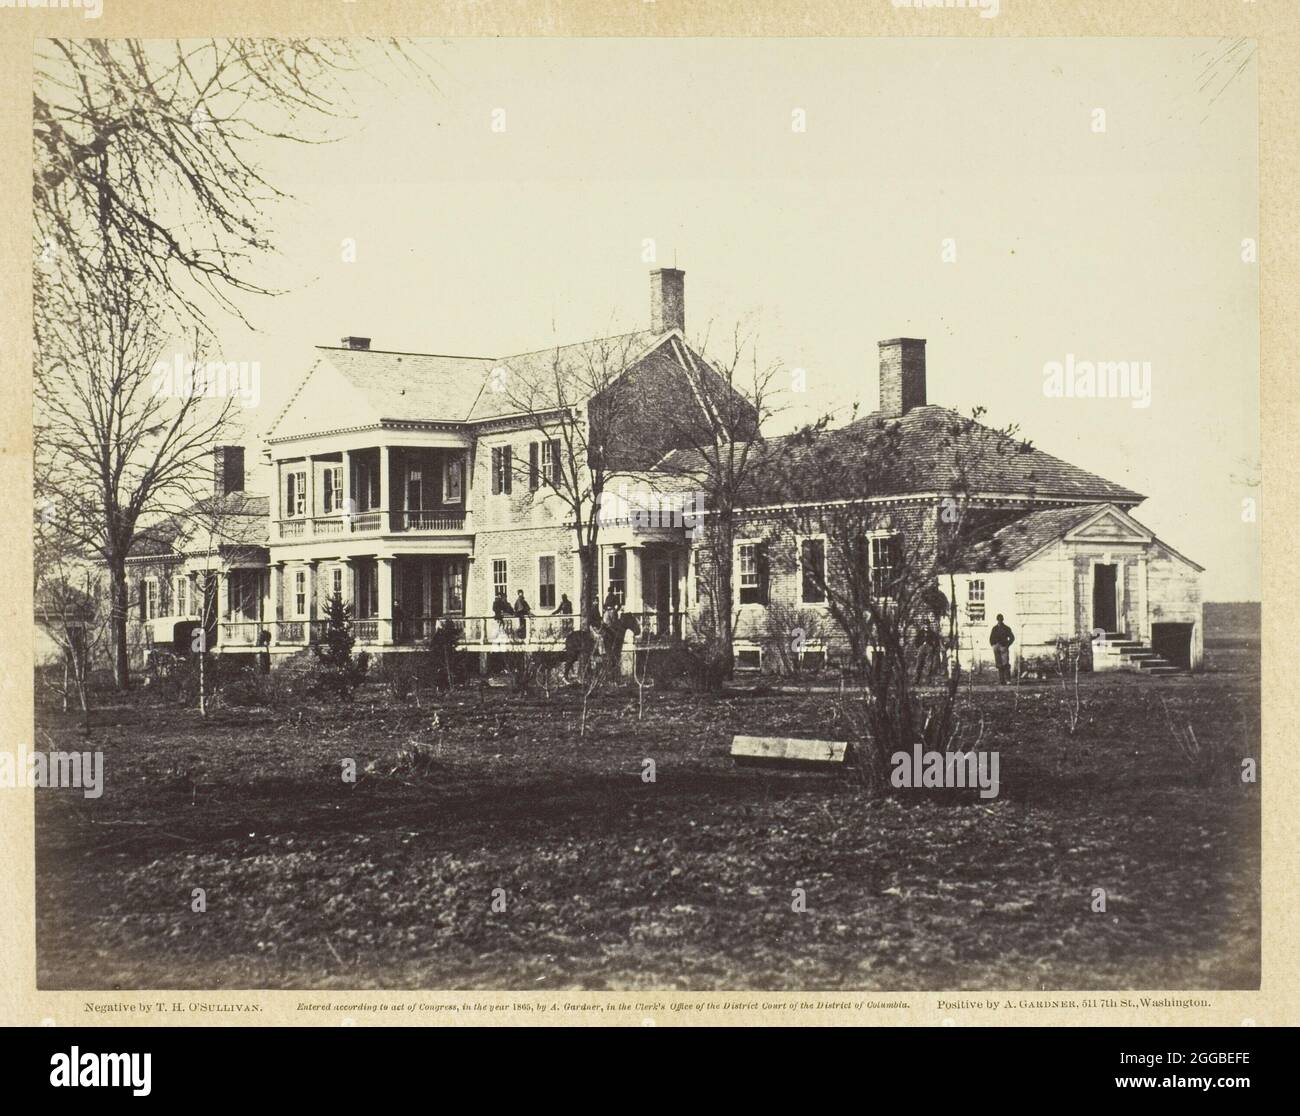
612 881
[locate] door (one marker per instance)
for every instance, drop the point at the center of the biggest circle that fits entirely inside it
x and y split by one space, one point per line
1173 642
1104 576
663 598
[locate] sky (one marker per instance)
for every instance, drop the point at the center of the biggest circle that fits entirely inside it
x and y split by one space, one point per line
964 191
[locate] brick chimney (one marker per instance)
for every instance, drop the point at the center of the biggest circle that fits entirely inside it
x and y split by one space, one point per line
667 299
902 375
227 470
356 342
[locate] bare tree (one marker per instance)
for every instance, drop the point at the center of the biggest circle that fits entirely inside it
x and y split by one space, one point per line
145 154
877 561
115 443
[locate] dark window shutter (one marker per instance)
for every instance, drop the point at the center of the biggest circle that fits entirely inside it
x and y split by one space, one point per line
764 570
555 462
496 471
508 456
141 590
533 450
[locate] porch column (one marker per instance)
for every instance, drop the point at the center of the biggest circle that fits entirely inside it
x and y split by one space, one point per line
349 505
277 600
385 487
222 595
278 503
632 574
313 588
311 492
384 567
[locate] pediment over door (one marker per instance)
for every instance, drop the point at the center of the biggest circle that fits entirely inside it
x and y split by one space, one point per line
1109 525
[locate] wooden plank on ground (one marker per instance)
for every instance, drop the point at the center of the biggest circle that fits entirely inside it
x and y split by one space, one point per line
787 751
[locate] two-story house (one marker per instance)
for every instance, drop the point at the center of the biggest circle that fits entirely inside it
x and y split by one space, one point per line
419 486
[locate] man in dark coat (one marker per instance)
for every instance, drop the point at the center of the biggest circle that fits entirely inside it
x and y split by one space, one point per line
521 612
1000 639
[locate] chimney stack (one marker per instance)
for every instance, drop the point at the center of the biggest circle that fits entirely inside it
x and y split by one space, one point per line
227 470
356 342
902 375
667 299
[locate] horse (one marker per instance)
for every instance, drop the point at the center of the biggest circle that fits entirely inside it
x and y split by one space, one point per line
581 644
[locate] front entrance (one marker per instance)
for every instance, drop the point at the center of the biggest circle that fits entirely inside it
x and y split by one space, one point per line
1104 602
659 593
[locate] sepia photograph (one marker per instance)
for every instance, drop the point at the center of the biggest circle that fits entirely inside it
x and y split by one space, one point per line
646 515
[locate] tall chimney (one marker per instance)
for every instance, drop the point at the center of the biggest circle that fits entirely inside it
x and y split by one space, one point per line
902 375
356 342
227 470
667 299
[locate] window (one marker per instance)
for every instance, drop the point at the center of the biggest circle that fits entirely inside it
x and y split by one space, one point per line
149 598
502 464
551 462
370 598
975 600
616 575
336 582
414 490
333 488
546 581
751 574
500 578
812 571
451 481
296 504
885 561
455 583
182 596
299 593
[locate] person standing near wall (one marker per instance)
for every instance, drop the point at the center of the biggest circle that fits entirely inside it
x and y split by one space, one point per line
1000 639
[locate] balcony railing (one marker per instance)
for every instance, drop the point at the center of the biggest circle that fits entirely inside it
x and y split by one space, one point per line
434 520
430 520
242 633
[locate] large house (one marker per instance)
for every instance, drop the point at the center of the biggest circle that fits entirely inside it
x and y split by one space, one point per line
415 486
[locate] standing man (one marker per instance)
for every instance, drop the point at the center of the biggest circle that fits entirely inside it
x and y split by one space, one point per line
1001 638
521 613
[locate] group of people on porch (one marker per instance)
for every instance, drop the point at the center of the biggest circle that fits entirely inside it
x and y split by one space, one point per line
512 620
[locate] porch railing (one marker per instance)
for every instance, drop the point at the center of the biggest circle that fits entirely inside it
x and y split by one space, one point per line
452 519
241 633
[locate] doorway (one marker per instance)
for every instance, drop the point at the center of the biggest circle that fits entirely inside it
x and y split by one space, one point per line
1104 612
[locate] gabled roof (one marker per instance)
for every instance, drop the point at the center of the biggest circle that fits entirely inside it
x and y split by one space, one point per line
428 387
1009 546
1013 544
236 519
928 450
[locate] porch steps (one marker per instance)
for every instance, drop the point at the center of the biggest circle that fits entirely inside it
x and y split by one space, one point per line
1133 654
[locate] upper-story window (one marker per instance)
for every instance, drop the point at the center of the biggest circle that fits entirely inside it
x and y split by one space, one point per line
333 494
181 596
452 478
502 465
812 571
544 464
975 600
296 493
886 560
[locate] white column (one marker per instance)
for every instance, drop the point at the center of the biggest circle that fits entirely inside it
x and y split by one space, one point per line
385 488
311 491
278 502
385 567
348 505
632 575
349 584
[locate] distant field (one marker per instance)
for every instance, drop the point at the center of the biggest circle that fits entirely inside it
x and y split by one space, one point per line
1236 621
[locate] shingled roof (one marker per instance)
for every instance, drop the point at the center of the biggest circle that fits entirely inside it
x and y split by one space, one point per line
237 519
927 450
1021 539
